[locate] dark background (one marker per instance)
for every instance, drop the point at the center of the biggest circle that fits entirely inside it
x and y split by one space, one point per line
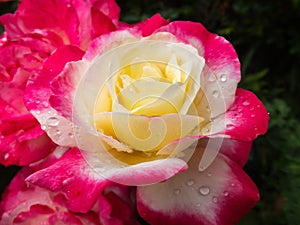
266 36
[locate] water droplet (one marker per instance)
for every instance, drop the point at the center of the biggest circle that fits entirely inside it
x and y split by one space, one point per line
38 112
232 184
230 126
52 121
198 204
190 182
209 174
176 191
225 193
58 132
207 108
252 115
71 135
43 127
204 190
215 93
37 101
258 106
211 78
6 156
245 102
65 182
215 199
45 104
223 77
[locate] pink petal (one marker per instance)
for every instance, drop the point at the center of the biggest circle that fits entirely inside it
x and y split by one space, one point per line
72 176
22 140
219 54
247 118
116 206
38 92
148 26
25 204
77 27
220 195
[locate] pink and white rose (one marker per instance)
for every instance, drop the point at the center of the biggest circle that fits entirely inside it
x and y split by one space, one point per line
154 105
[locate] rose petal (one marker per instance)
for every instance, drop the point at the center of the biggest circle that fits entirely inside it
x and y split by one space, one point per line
74 177
222 71
221 194
77 28
38 92
148 26
25 204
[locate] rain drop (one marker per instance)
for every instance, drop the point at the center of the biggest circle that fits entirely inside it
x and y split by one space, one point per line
245 102
211 78
215 93
252 115
5 156
190 182
230 126
223 78
204 190
209 174
52 121
226 193
43 127
207 108
215 199
176 191
65 182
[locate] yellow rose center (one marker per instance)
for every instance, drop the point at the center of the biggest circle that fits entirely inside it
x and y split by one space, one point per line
144 106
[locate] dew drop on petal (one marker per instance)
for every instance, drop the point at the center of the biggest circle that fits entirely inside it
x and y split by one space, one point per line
52 121
176 191
215 93
252 115
230 126
225 193
223 78
211 78
190 182
6 156
204 190
245 102
209 174
43 127
215 199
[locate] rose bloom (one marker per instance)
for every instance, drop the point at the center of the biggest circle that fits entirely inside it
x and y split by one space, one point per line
31 35
154 105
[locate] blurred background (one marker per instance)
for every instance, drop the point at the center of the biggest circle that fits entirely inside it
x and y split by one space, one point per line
266 37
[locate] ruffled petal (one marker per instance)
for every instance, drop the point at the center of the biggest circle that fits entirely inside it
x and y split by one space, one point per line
22 140
72 176
23 204
77 27
247 118
220 195
148 26
38 92
222 70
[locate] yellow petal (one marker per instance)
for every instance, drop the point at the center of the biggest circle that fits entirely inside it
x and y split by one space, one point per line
145 133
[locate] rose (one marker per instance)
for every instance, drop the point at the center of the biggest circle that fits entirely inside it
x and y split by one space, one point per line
90 97
206 70
31 37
